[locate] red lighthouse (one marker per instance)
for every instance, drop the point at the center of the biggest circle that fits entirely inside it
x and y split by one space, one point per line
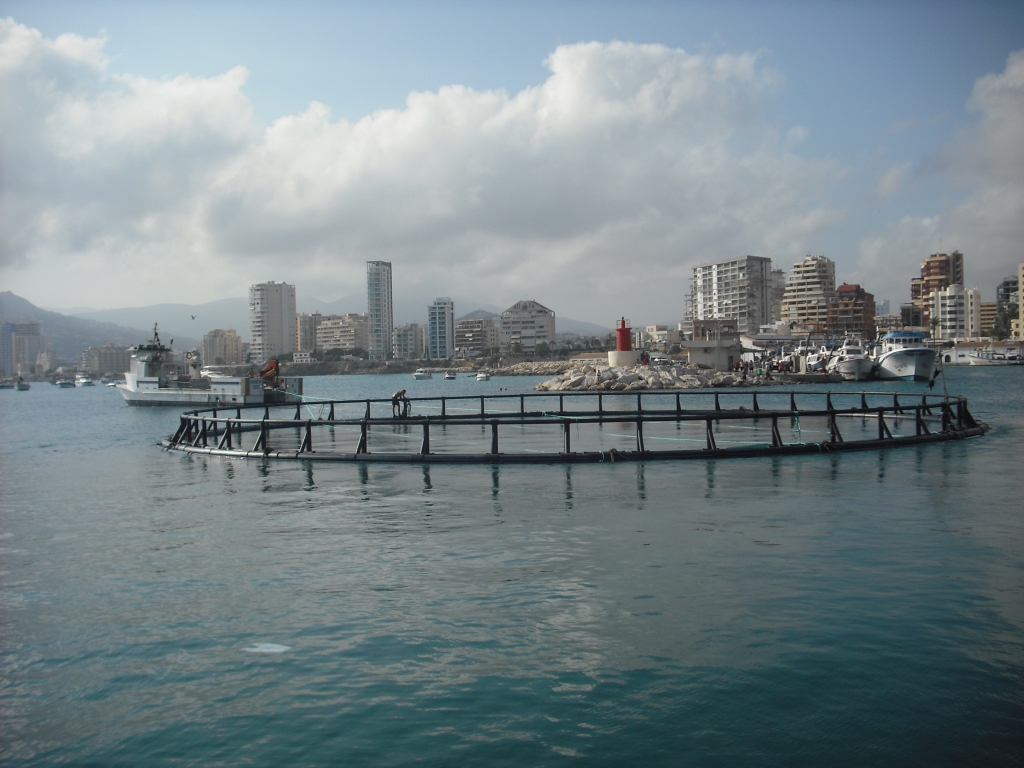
623 336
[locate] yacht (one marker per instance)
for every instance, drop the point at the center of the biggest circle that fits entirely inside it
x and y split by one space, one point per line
450 376
65 383
483 376
904 355
84 380
161 376
421 374
851 361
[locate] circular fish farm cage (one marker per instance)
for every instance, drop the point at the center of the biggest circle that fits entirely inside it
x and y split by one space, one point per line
575 428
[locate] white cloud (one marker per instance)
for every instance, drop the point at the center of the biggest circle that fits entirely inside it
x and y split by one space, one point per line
893 179
593 192
986 222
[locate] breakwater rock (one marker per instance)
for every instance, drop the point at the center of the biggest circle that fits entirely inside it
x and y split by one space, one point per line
546 368
593 378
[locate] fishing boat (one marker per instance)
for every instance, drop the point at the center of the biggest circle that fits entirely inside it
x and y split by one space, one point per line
161 376
991 357
21 385
851 361
422 373
904 355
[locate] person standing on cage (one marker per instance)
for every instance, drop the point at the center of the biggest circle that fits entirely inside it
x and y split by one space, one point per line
399 404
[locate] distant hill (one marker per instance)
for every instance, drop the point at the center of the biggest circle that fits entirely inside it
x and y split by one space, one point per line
69 336
176 320
579 327
479 314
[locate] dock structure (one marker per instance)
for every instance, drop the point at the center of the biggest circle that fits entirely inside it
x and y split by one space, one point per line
577 427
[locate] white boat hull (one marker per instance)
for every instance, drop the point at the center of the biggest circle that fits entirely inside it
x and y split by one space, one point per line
855 369
909 364
227 392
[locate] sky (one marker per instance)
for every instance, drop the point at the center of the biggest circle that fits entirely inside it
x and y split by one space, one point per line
583 154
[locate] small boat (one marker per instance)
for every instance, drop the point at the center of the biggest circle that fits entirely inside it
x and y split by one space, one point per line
111 383
84 380
904 355
991 357
851 361
483 376
6 384
207 372
450 376
422 373
21 386
66 383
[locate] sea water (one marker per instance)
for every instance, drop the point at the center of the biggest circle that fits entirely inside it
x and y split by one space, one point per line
166 609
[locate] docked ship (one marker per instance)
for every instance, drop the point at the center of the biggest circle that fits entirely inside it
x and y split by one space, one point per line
904 355
991 357
161 376
851 361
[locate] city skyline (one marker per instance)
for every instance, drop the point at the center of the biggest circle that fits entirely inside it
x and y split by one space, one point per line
602 154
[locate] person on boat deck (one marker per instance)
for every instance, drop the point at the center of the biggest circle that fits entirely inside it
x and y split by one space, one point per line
399 404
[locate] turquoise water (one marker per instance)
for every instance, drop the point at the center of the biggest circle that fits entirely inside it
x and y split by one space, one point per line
850 609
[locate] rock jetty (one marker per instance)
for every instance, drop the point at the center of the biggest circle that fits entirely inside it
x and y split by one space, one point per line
591 378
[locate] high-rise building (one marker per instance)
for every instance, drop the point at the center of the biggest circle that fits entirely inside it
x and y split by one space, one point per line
778 293
305 331
441 329
349 332
476 334
28 342
809 289
989 315
1005 290
271 320
938 271
527 324
222 347
734 289
107 358
7 348
852 313
1017 325
379 309
956 312
410 342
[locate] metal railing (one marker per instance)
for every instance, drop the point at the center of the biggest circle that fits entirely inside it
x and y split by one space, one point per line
517 428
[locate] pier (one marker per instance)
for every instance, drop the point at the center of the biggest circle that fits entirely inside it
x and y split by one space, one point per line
578 427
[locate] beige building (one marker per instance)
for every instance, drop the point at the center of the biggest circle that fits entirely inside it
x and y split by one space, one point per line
989 314
108 358
476 335
410 342
715 344
526 324
222 347
271 320
1017 325
938 272
809 289
347 332
305 331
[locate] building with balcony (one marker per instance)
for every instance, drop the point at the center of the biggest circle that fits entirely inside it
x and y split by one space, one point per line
410 342
379 309
223 347
441 329
955 313
852 313
305 331
107 358
525 325
476 334
735 289
938 272
271 320
348 332
810 288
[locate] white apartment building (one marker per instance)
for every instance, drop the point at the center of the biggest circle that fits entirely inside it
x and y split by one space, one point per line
958 311
809 289
222 347
441 329
410 342
734 289
348 332
527 323
379 309
271 320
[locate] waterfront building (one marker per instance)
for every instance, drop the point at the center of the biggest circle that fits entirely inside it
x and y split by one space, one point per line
734 289
476 334
107 358
809 289
989 316
660 335
715 344
222 347
1005 292
379 309
852 313
778 293
1017 324
305 331
956 312
410 342
46 361
349 332
7 349
303 357
441 329
525 325
271 320
27 342
938 272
